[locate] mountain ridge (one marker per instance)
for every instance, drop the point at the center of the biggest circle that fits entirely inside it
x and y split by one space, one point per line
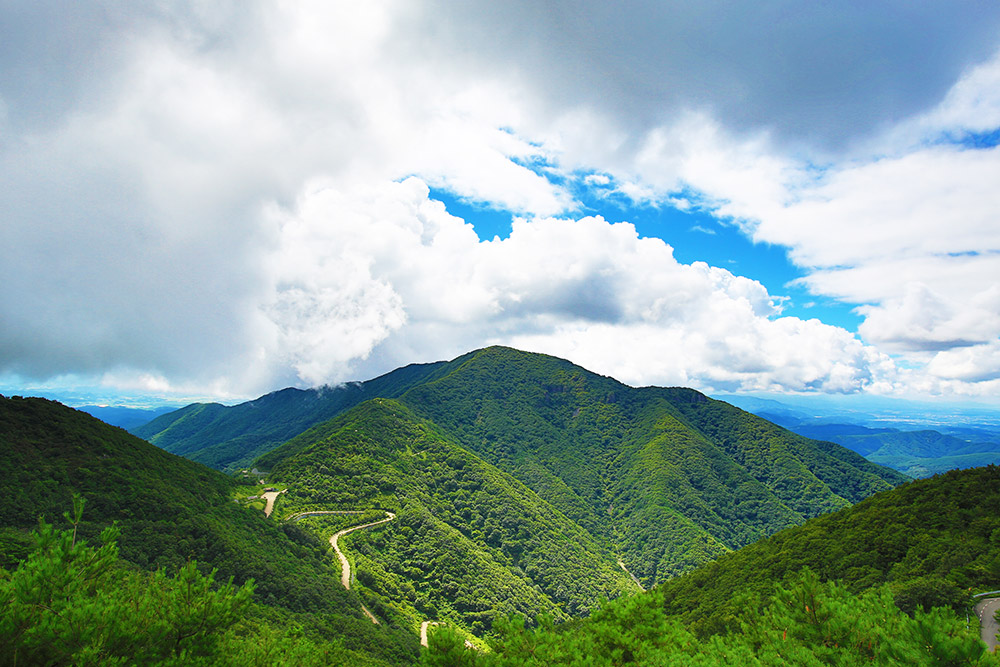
618 460
228 437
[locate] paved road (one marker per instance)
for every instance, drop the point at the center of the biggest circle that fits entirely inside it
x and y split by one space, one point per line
345 566
988 629
303 515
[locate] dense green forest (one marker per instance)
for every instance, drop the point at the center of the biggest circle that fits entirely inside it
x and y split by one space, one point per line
669 476
887 581
664 479
468 542
171 512
805 622
188 574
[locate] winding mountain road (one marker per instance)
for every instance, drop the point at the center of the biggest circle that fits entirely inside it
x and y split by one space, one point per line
345 565
988 628
423 631
303 515
635 579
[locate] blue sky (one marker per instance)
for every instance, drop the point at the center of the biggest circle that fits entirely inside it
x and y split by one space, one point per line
217 201
695 236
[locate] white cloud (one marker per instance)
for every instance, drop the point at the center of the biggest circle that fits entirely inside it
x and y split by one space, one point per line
971 105
974 364
910 234
218 195
136 226
389 273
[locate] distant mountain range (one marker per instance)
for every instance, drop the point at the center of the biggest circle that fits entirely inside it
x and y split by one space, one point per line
124 417
915 451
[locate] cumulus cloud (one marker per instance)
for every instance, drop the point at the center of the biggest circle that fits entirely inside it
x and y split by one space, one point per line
906 230
234 196
388 271
974 364
136 223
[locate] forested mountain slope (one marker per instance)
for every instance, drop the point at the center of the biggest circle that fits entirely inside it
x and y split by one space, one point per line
227 438
468 541
853 587
667 479
930 540
669 476
171 511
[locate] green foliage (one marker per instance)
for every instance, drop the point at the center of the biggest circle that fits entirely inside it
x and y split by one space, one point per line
811 477
468 541
518 481
665 478
72 604
807 622
942 532
668 477
446 648
886 581
171 512
69 603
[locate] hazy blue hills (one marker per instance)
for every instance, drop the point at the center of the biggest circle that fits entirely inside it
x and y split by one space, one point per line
971 441
124 417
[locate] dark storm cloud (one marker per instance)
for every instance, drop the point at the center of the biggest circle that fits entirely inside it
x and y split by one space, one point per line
815 73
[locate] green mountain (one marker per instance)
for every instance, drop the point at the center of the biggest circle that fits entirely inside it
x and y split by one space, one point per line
171 511
669 477
500 484
231 437
468 540
886 581
664 479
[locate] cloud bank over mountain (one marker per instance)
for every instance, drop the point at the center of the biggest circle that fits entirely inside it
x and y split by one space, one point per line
224 199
